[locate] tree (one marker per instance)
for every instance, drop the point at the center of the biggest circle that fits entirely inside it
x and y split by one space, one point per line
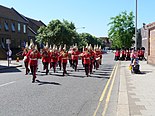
122 30
57 32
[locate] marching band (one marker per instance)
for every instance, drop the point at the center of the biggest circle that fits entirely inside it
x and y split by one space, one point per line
60 57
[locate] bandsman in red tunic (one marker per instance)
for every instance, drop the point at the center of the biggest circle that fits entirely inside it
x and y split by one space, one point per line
33 56
46 58
128 54
92 58
59 57
86 56
26 59
75 56
123 53
64 56
54 58
100 55
97 57
117 54
70 56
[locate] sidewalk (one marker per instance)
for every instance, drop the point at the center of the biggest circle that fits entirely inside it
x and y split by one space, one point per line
136 91
4 64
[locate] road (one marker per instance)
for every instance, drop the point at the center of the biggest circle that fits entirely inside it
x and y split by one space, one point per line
54 94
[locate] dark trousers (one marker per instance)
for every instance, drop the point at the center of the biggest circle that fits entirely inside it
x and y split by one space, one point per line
33 70
87 69
53 64
70 62
59 62
64 68
75 62
46 66
26 66
91 68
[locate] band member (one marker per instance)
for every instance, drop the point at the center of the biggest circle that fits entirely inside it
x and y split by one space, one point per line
128 54
70 56
54 58
92 58
100 55
123 53
75 56
26 59
117 54
46 58
97 58
86 56
59 57
64 56
33 56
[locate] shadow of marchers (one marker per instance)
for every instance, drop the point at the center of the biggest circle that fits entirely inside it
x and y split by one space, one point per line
45 82
144 72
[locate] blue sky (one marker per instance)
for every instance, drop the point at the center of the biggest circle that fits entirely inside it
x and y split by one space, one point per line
94 15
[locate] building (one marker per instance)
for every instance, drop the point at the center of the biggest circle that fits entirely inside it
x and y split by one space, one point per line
15 30
147 38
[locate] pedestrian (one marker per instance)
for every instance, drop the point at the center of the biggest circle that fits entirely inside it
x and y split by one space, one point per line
9 55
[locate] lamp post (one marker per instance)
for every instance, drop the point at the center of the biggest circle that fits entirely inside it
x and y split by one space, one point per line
80 28
136 27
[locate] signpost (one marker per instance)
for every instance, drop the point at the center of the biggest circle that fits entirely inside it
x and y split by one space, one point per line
8 41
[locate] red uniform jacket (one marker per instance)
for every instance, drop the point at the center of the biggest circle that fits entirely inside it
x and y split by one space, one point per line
92 56
64 56
46 56
117 53
26 59
86 56
33 56
54 56
75 55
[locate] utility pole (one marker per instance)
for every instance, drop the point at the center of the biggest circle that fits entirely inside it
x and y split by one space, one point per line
136 28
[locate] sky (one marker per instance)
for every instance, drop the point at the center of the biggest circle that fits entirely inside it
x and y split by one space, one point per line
94 15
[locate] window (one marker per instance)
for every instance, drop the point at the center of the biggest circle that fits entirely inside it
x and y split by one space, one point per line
13 27
24 28
6 26
18 27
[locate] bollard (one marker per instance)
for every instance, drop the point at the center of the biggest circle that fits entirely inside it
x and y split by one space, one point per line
17 60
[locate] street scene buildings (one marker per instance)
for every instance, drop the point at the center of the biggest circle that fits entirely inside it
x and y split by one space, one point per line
16 28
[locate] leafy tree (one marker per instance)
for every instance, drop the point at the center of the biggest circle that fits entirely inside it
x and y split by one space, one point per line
57 32
122 30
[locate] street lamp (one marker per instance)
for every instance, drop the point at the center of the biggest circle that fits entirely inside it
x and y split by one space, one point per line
136 28
80 28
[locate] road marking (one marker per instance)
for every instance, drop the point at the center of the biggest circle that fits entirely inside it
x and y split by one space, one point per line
7 83
104 91
109 93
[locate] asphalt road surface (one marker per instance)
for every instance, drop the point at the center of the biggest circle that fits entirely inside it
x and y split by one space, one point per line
54 94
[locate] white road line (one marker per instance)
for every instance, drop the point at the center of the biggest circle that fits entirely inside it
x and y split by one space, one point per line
7 83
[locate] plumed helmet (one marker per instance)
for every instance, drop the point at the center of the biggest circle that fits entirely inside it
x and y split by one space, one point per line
26 46
31 44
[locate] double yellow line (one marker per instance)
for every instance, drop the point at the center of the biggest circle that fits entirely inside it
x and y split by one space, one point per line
112 77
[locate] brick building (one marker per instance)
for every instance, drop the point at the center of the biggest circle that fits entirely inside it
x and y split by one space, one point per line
17 28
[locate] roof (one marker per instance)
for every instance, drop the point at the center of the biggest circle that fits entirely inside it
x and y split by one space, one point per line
36 22
11 13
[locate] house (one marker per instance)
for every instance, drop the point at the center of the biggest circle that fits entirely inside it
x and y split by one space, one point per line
16 29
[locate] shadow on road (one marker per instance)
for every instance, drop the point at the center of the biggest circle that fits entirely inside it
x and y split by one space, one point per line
5 69
46 82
